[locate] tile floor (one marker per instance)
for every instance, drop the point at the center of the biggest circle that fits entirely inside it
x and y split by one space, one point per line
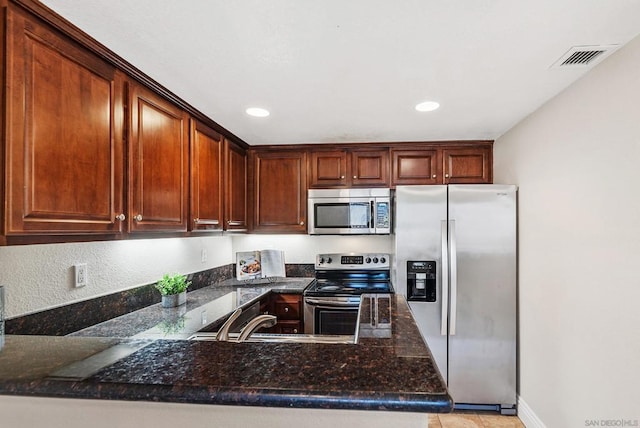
474 420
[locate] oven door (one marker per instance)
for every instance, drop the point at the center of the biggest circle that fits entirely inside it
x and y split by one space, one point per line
331 315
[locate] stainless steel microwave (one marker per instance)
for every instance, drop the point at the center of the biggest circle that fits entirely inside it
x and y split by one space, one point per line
349 211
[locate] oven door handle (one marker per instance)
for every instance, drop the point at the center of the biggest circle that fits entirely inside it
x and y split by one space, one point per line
317 302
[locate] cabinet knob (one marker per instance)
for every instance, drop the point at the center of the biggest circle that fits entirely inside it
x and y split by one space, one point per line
433 176
138 217
121 217
302 223
196 220
342 177
295 331
286 309
355 176
446 175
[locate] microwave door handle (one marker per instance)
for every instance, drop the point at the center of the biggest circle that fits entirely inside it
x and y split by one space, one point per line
372 224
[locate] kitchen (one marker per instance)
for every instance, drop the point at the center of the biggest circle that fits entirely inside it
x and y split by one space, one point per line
577 235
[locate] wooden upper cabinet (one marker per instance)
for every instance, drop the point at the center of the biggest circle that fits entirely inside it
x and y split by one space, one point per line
207 178
442 164
236 188
414 167
349 168
63 116
328 168
279 191
467 165
370 168
158 163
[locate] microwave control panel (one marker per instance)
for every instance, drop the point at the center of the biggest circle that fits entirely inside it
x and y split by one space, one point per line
382 215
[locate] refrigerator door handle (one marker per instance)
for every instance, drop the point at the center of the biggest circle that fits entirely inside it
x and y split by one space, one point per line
454 277
445 278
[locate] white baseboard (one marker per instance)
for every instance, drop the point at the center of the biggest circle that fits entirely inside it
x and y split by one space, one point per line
528 416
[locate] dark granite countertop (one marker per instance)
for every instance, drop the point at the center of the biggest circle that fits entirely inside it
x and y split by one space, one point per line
205 309
390 368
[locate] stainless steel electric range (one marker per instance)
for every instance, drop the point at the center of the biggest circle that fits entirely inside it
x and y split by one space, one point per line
331 304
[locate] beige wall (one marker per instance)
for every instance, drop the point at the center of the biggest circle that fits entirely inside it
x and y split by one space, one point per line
577 164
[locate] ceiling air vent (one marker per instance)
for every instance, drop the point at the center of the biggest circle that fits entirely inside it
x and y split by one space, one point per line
584 56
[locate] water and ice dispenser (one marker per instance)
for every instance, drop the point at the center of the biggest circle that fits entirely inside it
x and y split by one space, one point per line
421 280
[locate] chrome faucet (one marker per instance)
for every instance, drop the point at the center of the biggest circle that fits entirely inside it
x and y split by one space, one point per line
256 323
223 333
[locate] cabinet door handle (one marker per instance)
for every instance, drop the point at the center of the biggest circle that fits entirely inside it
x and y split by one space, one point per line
138 217
121 217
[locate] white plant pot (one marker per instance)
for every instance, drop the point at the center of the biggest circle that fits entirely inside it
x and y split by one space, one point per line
173 300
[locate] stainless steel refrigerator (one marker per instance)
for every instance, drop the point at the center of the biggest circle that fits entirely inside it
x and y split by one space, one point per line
455 261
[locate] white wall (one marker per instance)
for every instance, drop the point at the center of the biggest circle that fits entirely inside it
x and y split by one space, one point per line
38 277
577 164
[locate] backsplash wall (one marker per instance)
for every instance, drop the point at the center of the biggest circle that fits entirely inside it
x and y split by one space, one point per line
39 277
303 248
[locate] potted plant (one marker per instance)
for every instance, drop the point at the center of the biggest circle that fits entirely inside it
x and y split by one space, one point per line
173 289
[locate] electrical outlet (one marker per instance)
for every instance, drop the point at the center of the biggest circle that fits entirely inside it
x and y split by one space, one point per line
81 275
203 255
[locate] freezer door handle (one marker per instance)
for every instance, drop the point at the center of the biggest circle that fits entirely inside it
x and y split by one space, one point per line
445 278
454 277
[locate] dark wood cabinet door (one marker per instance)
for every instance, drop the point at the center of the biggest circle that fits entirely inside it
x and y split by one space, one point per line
370 168
414 167
207 168
328 169
467 165
158 163
63 134
236 188
279 192
288 308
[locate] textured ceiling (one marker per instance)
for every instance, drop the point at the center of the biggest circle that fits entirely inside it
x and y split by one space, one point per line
353 70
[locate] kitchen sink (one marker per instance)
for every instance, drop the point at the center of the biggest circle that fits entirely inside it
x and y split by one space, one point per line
280 338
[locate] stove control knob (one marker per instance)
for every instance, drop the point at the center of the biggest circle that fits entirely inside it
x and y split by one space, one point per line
383 260
321 260
368 260
329 260
375 260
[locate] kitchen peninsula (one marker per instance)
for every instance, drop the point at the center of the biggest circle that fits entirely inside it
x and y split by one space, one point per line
381 379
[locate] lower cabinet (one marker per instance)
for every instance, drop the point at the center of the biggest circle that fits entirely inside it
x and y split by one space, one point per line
289 311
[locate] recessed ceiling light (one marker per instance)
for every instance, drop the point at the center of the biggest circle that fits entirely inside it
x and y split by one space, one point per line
257 112
427 106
